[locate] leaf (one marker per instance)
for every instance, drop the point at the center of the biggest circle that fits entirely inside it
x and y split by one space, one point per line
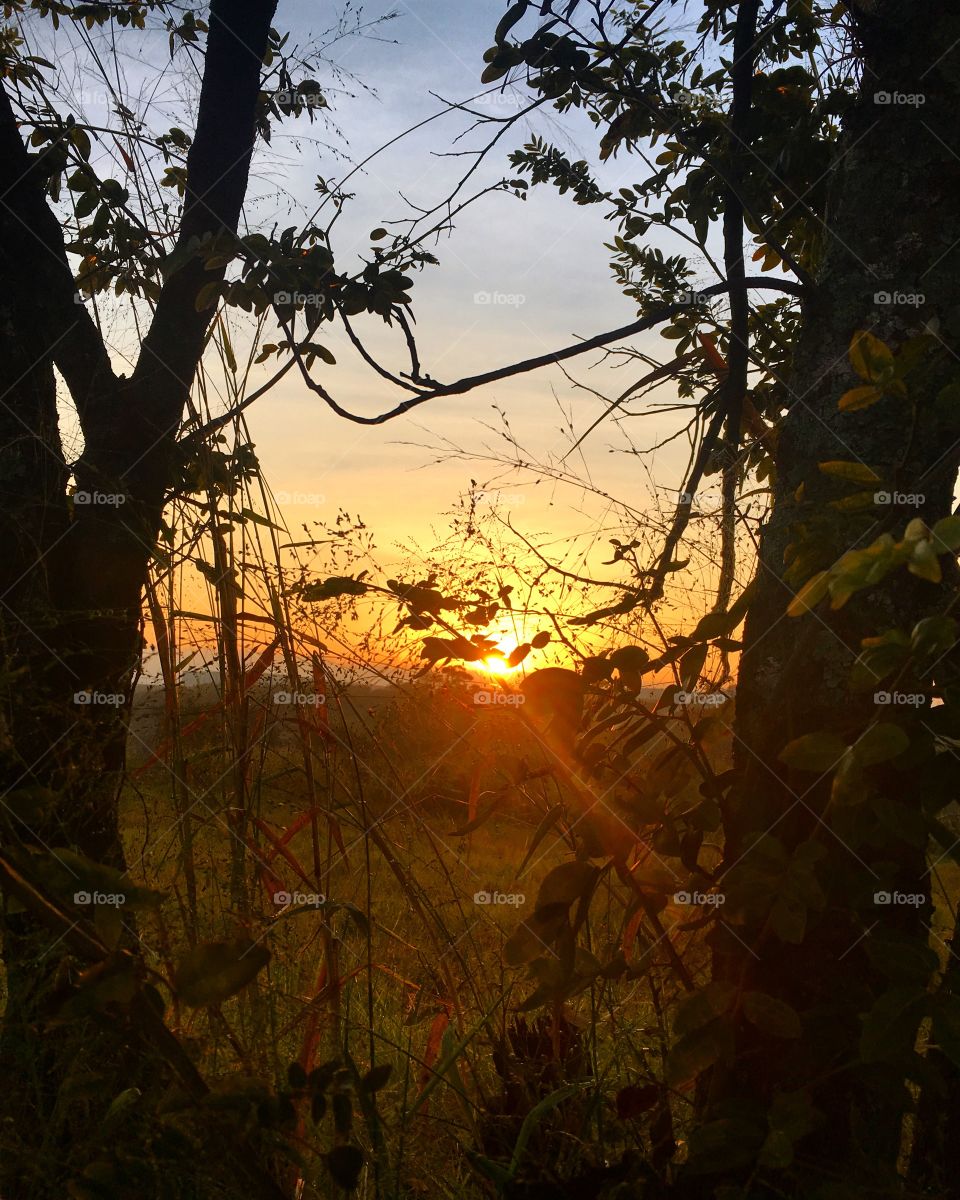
119 1104
933 636
880 743
771 1015
810 595
213 971
566 883
533 1118
483 815
629 658
345 1164
697 1051
87 203
813 752
534 935
321 352
492 73
890 1027
336 585
378 234
870 358
248 514
924 562
549 820
714 624
900 957
518 654
701 1007
513 14
859 398
377 1077
634 1100
946 533
489 1169
691 664
82 142
540 640
227 345
723 1145
852 472
207 296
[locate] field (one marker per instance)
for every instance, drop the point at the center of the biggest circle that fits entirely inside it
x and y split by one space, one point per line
435 822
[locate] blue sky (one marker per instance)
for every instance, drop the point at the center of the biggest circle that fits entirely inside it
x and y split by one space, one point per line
546 253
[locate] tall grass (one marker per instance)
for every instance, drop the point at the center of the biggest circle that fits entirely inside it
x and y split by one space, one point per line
398 799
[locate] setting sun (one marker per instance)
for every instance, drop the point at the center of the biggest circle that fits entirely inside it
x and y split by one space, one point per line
498 666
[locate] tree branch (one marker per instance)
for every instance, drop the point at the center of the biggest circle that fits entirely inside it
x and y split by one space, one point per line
36 274
470 382
218 167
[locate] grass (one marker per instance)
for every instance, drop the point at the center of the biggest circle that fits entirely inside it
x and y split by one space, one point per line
402 965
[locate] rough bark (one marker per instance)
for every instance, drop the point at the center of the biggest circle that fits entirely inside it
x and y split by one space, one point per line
893 214
71 581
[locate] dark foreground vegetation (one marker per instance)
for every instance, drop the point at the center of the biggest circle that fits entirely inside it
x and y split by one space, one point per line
621 939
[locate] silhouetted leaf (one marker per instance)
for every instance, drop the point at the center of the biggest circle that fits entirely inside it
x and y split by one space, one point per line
377 1077
566 883
336 585
213 971
345 1164
533 936
634 1100
771 1015
813 752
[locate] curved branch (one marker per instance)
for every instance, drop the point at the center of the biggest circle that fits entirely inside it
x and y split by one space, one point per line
470 382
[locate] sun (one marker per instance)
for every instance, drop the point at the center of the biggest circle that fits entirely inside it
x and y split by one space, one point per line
497 666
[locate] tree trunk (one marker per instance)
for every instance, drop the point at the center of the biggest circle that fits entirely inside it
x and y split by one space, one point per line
893 213
71 581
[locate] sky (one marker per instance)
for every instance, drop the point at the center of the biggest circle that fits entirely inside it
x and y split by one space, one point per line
515 279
